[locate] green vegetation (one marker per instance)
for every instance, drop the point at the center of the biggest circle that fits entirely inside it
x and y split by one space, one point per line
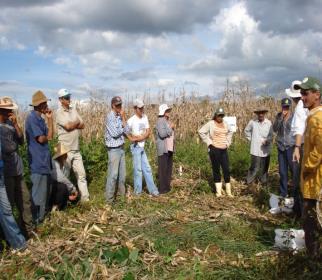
186 234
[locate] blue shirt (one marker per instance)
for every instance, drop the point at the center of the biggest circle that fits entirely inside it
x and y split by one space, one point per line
114 130
38 154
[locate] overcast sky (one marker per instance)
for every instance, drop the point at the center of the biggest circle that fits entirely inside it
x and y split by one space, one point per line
136 46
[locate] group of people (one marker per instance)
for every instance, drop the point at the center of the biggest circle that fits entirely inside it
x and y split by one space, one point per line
51 186
298 139
299 145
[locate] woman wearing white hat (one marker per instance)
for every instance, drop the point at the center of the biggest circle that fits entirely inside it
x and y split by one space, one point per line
165 148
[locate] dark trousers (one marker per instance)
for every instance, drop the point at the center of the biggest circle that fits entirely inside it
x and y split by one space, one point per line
219 158
59 195
165 163
311 227
19 196
285 163
258 169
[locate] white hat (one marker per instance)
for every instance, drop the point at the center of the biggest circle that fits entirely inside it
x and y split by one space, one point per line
138 103
63 92
7 103
292 92
163 108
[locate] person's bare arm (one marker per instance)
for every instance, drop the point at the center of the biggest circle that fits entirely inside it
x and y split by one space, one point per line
298 143
13 119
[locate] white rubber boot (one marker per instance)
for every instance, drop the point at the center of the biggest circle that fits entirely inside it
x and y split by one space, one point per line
218 189
228 189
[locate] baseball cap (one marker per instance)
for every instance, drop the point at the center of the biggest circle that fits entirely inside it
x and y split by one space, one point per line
292 92
309 83
286 102
138 103
116 100
163 108
219 111
63 92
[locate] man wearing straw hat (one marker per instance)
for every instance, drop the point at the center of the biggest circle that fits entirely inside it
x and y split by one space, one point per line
260 134
69 124
38 134
62 188
17 191
311 169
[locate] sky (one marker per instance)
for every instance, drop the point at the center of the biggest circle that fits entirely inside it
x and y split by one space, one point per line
132 47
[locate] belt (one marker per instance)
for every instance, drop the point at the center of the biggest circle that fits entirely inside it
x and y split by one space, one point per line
113 148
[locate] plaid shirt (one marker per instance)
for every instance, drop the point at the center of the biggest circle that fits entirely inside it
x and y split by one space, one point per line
114 130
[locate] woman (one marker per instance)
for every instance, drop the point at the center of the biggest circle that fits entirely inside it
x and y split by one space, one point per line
217 136
165 148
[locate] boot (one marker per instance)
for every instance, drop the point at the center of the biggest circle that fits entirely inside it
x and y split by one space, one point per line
228 190
218 189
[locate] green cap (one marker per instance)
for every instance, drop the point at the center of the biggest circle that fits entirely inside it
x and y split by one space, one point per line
219 111
309 83
286 102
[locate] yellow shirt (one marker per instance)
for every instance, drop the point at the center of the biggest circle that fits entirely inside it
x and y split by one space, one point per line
311 174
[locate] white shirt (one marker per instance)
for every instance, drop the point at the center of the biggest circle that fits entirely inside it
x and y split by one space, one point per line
138 126
299 119
258 132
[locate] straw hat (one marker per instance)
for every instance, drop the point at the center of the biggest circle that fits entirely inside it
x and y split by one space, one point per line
260 110
7 103
60 150
38 98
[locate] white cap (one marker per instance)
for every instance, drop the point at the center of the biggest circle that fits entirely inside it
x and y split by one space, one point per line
138 103
163 108
294 93
63 92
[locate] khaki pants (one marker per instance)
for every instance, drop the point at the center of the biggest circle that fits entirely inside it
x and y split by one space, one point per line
19 196
75 162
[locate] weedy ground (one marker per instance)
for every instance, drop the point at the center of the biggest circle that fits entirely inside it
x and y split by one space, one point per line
185 234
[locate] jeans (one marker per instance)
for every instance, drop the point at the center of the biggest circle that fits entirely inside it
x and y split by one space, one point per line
75 161
258 169
40 193
116 174
219 157
165 163
285 163
8 224
298 200
19 196
141 167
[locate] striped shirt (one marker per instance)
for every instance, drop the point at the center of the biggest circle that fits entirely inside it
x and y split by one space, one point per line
114 130
219 137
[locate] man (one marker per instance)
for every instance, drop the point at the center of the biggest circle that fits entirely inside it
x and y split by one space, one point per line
17 191
62 188
260 134
297 131
139 127
69 124
311 169
285 142
38 134
7 221
114 139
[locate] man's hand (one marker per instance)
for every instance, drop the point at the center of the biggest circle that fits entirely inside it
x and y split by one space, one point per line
172 125
73 196
296 154
49 114
13 118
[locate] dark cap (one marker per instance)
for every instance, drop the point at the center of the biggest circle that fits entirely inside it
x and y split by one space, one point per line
219 112
309 83
116 100
286 102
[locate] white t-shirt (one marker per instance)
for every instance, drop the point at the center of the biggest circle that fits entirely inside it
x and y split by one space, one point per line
138 126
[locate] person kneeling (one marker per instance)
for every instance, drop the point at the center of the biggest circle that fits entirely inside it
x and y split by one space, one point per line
62 188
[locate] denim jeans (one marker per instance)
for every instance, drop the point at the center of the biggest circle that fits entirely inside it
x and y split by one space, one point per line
8 224
40 194
285 163
141 167
116 174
